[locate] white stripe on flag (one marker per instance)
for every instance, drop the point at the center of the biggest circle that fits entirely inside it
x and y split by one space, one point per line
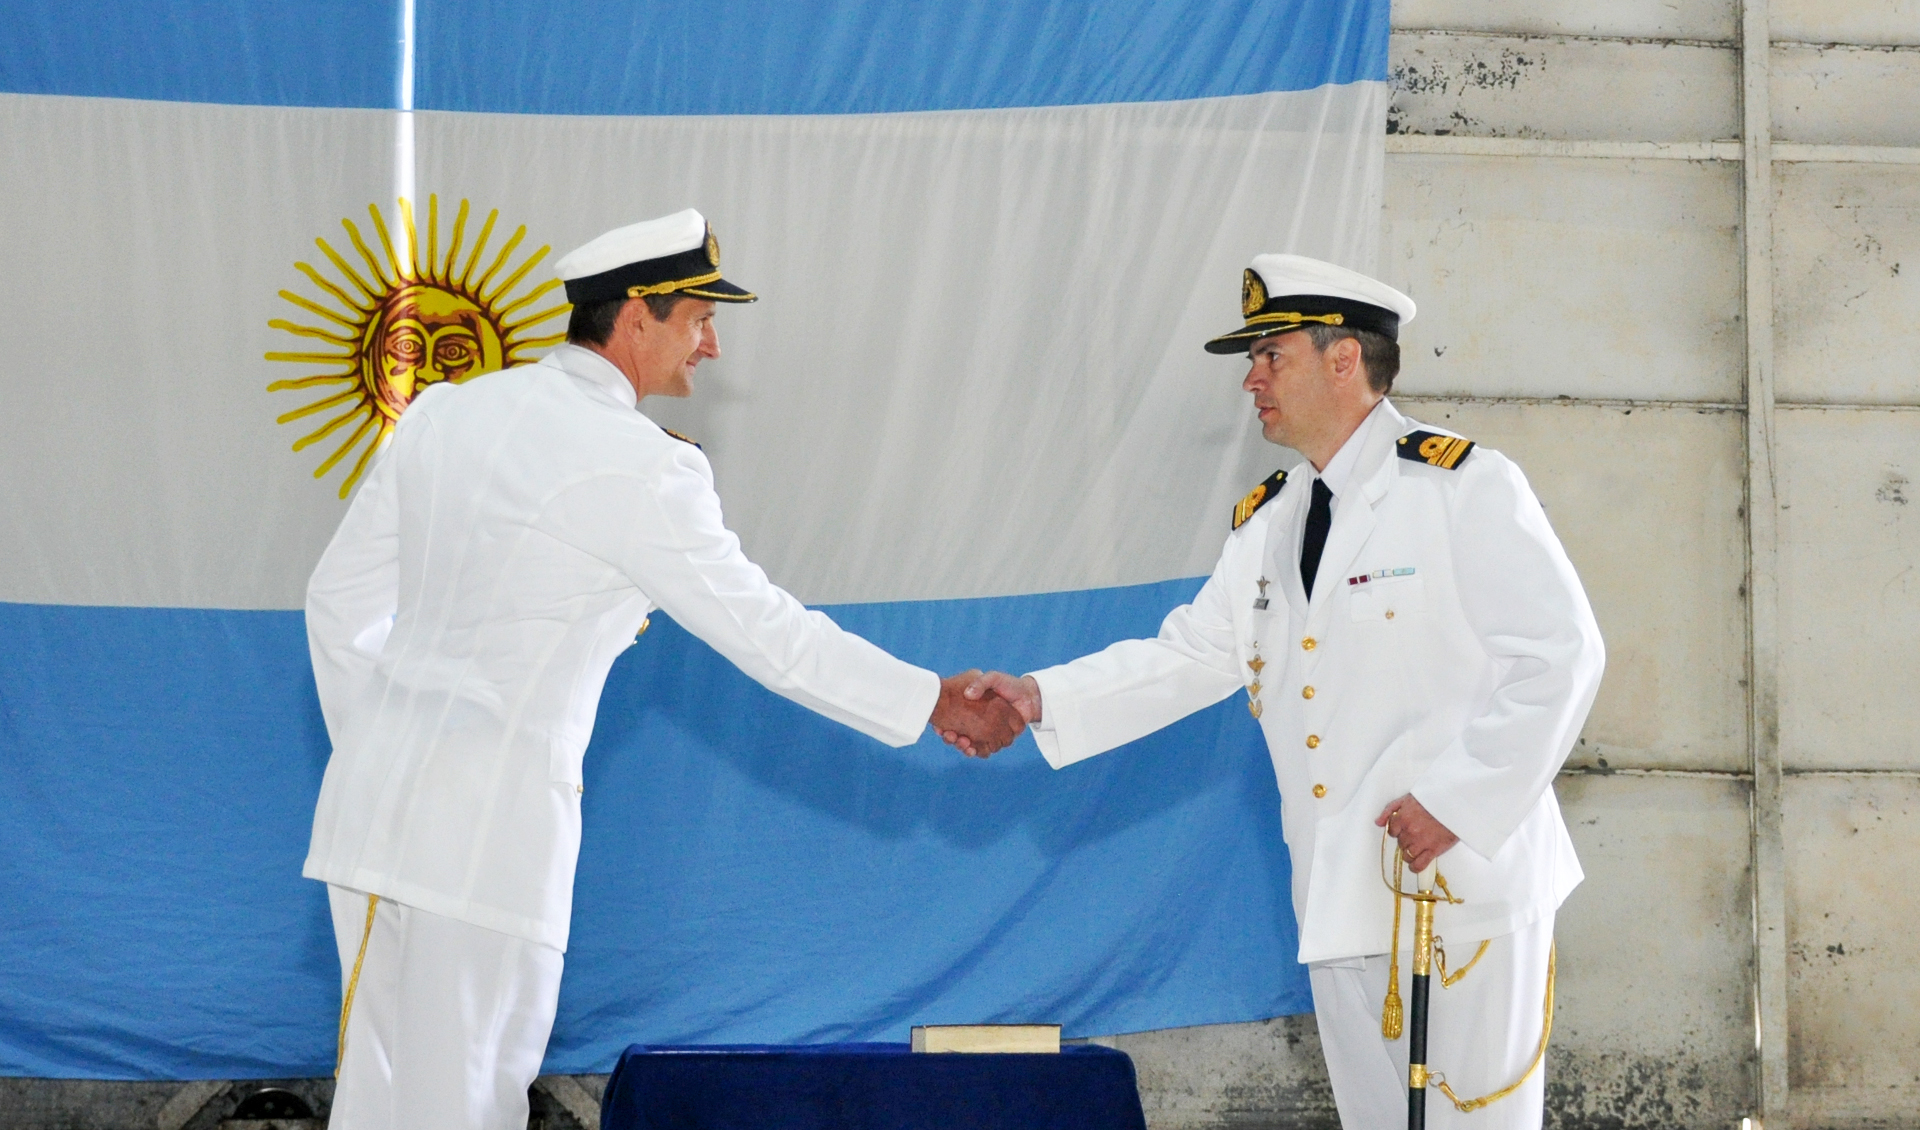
976 369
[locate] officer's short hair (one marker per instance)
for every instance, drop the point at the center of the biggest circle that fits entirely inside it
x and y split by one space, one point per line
1378 352
591 323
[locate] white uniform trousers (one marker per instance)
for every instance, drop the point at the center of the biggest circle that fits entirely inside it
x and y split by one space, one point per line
449 1021
1481 1034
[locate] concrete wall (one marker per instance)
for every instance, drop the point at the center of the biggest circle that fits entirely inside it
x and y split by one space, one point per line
1678 280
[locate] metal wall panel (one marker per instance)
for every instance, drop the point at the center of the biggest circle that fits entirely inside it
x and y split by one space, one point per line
1847 283
1849 589
1855 1042
1567 277
1884 22
1647 501
1639 19
1578 89
1846 95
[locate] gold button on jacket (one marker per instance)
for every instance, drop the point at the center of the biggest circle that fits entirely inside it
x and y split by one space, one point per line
1308 644
1313 741
1306 692
1319 791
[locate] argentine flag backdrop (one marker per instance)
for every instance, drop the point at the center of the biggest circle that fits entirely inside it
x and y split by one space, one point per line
970 416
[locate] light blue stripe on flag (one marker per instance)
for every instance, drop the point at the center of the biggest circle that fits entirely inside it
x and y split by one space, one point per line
868 56
741 57
750 872
250 52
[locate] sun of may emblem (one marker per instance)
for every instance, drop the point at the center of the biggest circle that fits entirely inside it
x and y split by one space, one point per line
416 317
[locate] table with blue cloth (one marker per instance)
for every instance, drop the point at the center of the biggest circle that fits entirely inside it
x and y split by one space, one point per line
868 1087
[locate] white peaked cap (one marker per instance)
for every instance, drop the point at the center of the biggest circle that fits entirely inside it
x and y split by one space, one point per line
1287 275
675 254
1281 293
648 239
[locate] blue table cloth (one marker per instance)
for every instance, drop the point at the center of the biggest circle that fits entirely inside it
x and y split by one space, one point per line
868 1087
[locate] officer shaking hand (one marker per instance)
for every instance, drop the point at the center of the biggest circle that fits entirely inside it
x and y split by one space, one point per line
1420 657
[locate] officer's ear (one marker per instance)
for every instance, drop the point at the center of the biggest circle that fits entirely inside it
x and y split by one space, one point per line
634 316
1345 353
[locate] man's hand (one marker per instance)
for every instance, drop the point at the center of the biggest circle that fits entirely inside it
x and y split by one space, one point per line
1023 692
1422 838
977 726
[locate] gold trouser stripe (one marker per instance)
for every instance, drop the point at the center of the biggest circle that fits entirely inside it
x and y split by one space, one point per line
1467 1106
353 982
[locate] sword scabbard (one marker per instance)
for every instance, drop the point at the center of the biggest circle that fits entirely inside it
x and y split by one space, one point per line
1417 1074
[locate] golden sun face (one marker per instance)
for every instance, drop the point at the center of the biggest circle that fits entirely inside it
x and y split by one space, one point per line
411 322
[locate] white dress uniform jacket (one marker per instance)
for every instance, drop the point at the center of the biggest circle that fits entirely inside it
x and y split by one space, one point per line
1460 671
505 548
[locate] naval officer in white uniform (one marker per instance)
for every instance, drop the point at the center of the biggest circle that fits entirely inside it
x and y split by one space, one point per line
1420 655
506 547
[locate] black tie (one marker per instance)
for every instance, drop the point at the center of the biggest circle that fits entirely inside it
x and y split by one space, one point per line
1319 519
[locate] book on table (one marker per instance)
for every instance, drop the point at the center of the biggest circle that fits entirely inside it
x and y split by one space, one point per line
1015 1038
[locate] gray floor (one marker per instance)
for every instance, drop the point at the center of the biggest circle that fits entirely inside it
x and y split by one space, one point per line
559 1102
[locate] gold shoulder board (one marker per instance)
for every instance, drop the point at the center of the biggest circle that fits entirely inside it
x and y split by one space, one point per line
1257 497
1433 449
683 439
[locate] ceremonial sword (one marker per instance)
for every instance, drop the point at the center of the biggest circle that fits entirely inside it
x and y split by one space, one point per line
1425 898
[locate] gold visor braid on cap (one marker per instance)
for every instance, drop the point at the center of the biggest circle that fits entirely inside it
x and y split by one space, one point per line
1292 319
711 246
675 285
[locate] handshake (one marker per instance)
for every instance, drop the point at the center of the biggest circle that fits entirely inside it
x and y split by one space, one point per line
980 714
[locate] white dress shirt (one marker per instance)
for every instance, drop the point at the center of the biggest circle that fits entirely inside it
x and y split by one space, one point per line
1339 471
1460 670
504 549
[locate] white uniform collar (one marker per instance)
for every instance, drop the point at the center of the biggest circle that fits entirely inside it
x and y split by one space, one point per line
1344 467
586 365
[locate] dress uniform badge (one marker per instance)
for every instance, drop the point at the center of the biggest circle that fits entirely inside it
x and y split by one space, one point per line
1253 294
1434 449
683 439
1257 497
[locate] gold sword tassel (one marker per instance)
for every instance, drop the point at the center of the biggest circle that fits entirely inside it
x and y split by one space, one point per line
1393 1017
